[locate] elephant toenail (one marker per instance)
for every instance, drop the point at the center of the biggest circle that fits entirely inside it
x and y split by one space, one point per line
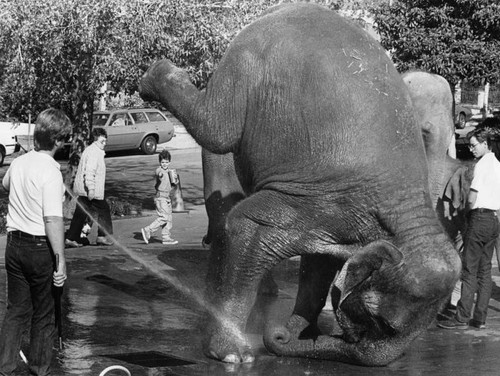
231 358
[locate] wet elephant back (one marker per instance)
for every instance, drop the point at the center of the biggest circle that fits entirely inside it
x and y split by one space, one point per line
332 105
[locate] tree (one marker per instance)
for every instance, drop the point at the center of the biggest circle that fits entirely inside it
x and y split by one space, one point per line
60 53
458 39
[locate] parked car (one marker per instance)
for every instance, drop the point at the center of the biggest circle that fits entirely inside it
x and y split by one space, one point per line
8 141
134 128
467 113
462 115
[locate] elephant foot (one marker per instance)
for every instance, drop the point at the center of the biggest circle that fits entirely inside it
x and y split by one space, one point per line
229 346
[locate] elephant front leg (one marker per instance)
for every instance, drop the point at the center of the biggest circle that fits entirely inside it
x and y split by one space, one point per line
252 245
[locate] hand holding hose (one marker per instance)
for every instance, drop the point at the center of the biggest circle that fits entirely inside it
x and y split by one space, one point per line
59 275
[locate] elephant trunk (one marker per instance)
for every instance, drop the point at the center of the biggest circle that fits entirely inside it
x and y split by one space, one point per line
280 341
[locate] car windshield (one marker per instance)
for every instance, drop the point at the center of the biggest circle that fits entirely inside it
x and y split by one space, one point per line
100 119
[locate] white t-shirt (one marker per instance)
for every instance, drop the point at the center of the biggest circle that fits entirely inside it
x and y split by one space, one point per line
486 182
36 190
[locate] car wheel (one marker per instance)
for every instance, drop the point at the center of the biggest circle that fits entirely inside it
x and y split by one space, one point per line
148 145
2 157
461 121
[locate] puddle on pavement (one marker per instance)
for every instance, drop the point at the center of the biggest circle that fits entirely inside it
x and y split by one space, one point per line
150 359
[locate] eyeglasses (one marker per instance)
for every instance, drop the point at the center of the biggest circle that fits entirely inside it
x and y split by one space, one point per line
472 147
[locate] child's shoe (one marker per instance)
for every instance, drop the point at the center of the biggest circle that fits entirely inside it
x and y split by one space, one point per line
146 234
169 241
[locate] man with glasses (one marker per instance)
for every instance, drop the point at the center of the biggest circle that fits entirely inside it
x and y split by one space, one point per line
480 237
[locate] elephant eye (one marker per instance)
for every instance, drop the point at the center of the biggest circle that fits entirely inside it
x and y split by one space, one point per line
372 300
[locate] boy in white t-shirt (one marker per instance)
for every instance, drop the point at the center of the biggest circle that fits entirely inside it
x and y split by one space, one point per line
34 254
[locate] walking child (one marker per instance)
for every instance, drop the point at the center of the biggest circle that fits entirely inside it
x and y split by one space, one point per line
165 180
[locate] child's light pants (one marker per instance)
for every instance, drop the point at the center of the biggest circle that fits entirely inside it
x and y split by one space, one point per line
164 220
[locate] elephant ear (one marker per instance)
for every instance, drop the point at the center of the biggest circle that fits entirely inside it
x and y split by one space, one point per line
362 265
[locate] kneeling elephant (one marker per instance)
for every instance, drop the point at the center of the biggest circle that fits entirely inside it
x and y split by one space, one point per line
332 166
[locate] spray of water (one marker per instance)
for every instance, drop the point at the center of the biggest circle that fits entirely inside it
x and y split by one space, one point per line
196 296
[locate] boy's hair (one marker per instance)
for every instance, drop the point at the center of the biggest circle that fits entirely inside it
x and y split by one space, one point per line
489 131
51 125
98 132
481 134
164 154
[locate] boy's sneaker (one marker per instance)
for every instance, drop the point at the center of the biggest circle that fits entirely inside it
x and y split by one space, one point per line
477 324
452 324
145 234
170 241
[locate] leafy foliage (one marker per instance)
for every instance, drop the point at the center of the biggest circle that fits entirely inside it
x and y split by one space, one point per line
60 53
458 39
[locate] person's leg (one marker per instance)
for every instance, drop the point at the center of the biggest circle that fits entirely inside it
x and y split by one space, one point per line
39 269
161 218
18 308
166 209
79 218
470 263
105 225
485 284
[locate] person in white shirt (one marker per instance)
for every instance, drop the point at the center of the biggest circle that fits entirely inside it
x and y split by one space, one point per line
89 186
482 231
34 255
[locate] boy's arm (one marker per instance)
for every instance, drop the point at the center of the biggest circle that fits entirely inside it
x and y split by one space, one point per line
172 183
54 228
6 180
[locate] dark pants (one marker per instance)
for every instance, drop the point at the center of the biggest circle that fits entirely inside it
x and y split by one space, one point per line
101 207
480 238
30 265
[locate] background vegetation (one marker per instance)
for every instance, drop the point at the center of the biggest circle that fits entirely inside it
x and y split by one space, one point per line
61 53
458 39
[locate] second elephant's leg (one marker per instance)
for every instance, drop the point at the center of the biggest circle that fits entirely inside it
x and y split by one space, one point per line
316 276
317 273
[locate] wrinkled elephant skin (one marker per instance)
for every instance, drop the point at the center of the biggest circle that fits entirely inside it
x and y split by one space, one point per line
328 152
449 179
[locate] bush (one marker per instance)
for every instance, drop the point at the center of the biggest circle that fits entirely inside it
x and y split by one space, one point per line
3 215
121 208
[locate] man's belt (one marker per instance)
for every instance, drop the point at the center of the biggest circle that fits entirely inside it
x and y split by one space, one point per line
25 235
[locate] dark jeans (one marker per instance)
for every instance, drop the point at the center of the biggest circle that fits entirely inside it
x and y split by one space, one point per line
81 214
29 265
480 238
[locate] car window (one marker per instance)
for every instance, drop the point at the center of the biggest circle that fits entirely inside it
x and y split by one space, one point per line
100 119
119 120
155 116
139 117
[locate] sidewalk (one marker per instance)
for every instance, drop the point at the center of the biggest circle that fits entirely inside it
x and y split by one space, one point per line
188 228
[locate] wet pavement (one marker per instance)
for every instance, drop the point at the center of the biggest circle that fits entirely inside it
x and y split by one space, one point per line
140 306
